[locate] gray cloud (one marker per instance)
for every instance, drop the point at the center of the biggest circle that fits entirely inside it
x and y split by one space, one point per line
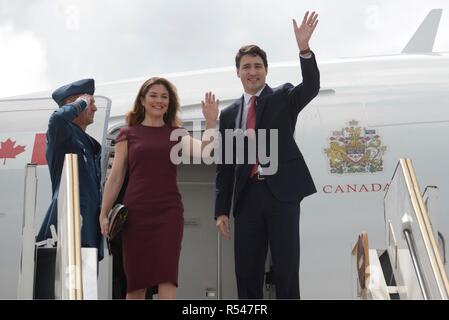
112 40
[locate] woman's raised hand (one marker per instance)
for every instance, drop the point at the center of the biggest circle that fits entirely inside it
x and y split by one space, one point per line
210 108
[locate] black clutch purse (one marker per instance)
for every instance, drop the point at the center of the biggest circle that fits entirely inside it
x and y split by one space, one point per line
117 220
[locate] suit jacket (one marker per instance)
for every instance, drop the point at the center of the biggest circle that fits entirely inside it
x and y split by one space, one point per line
64 136
277 108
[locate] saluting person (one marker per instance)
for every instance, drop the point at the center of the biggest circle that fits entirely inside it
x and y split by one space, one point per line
67 134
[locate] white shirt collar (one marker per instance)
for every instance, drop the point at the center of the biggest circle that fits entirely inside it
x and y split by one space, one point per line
248 96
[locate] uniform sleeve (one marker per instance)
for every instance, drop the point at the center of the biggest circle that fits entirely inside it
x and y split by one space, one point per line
122 135
67 113
58 129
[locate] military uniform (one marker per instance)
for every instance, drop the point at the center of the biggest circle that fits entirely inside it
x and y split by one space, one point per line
64 136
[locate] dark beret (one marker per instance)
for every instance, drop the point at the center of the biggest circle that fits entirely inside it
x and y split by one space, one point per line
84 86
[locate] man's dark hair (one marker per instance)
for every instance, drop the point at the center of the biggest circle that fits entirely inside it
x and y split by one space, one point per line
252 50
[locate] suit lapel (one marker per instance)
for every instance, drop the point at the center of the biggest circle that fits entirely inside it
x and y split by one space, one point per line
234 114
261 102
244 169
237 116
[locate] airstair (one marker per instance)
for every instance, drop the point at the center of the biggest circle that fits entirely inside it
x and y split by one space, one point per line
412 264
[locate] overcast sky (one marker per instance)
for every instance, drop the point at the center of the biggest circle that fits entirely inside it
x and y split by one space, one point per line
46 43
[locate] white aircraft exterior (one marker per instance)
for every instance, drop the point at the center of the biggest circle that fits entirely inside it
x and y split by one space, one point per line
370 112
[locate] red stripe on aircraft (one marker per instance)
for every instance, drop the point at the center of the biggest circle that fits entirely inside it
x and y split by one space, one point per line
38 156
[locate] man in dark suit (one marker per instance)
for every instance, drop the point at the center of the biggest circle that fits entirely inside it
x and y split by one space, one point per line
266 207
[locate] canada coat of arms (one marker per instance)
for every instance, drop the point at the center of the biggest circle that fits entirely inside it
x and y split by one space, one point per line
355 150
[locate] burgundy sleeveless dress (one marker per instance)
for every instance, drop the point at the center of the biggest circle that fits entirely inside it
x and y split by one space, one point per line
153 234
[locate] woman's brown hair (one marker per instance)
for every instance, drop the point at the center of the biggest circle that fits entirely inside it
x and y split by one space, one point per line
171 117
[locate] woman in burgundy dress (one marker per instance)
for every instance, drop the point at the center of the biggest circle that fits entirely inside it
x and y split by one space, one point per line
153 234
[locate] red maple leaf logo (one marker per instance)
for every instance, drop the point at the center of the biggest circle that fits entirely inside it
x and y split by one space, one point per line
7 150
